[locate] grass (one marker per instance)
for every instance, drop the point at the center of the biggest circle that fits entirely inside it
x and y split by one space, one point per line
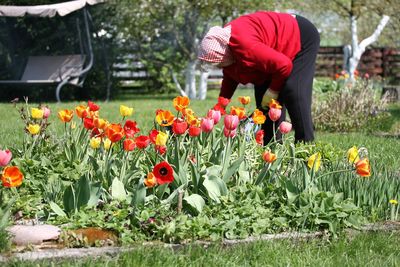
373 249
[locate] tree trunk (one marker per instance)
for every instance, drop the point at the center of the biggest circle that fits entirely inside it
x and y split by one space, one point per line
203 85
190 79
357 49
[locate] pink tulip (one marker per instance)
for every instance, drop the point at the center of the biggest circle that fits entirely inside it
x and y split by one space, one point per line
46 112
215 115
229 133
207 125
285 127
5 157
231 122
274 114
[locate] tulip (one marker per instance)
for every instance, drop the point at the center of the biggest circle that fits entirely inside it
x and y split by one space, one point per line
82 111
65 115
187 112
100 123
164 117
363 168
223 101
181 102
130 128
231 122
352 155
107 144
274 114
161 149
46 112
161 139
179 126
314 161
220 108
129 144
229 133
96 133
274 104
5 157
153 136
268 156
33 129
239 111
393 202
258 117
88 123
115 132
150 181
12 176
192 120
215 115
93 106
244 100
260 137
142 141
207 125
95 142
285 127
194 131
36 113
125 111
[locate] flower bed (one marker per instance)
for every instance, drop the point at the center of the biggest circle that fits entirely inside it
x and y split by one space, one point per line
190 177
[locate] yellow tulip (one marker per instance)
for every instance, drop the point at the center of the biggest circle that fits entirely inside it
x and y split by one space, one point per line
107 144
95 142
161 139
125 111
314 161
33 128
37 113
393 202
352 155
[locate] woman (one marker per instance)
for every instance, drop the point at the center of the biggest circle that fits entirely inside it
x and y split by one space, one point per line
274 51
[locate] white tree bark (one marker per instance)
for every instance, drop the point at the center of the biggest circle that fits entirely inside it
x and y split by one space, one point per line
203 85
357 49
190 79
177 84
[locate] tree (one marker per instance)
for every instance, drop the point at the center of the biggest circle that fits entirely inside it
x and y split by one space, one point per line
168 34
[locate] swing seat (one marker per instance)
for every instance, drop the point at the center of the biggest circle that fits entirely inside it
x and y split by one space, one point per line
61 70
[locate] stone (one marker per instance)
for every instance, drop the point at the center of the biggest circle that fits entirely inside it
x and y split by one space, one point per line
33 234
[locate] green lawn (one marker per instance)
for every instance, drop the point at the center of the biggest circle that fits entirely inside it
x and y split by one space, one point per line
373 249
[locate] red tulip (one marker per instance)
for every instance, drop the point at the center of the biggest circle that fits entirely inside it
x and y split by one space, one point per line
142 141
194 131
93 106
179 126
130 128
229 133
223 101
129 144
88 123
260 137
163 173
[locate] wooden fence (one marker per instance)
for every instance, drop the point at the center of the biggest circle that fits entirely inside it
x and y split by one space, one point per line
377 62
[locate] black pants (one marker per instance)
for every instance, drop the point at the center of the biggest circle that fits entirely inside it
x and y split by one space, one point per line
296 94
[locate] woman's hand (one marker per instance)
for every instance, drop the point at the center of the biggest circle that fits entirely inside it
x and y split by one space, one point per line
268 96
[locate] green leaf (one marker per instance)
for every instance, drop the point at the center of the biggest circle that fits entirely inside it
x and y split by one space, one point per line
69 200
118 190
140 194
57 210
215 187
82 189
291 191
95 193
196 202
232 169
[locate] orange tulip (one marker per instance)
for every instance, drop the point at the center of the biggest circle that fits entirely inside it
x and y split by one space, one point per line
181 102
100 123
244 100
274 104
258 117
164 117
238 111
65 115
150 181
268 156
363 168
12 176
82 111
115 132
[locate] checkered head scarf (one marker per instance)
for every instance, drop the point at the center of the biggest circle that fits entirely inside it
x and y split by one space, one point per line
214 46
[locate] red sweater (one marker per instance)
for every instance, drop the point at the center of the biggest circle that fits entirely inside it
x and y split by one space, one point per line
263 45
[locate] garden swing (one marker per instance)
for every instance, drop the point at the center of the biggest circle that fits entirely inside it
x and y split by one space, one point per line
56 69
